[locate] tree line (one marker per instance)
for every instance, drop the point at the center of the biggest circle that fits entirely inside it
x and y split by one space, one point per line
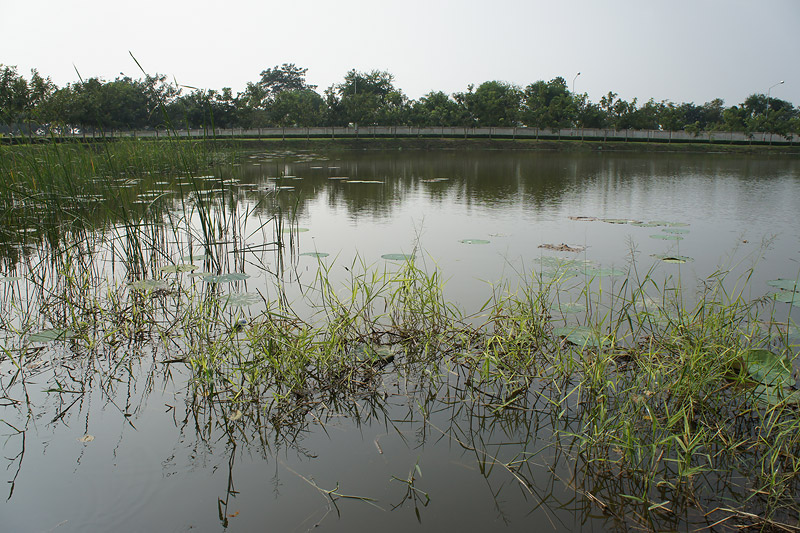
282 97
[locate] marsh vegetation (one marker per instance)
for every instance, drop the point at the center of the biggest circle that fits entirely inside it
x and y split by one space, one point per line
180 335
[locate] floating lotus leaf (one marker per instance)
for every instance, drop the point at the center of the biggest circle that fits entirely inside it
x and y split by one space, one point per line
474 241
339 178
365 181
659 223
775 395
768 368
788 297
678 259
667 237
569 307
603 272
617 220
678 224
785 284
241 299
315 254
397 257
583 219
150 285
50 335
194 258
175 269
579 335
285 188
675 230
646 224
6 279
224 278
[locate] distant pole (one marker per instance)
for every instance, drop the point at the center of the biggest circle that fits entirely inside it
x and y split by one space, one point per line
766 113
573 82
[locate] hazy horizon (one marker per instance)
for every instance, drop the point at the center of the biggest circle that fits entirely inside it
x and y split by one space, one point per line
684 51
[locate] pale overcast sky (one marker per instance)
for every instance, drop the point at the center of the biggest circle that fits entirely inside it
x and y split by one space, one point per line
679 50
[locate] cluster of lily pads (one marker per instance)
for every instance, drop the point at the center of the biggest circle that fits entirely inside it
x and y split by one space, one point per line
789 290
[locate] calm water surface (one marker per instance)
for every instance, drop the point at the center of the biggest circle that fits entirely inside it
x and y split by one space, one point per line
158 462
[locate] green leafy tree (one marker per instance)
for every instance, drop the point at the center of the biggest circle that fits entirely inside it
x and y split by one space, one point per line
550 105
369 98
435 109
493 103
287 77
301 107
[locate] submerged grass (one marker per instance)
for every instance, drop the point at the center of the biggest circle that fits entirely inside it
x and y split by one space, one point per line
642 405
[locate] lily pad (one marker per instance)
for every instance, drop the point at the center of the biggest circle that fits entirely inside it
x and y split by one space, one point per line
50 335
788 297
776 395
768 368
617 220
603 272
242 299
667 237
569 307
397 257
224 278
474 241
375 182
785 284
194 258
675 230
678 224
150 285
175 269
677 259
646 224
579 335
315 254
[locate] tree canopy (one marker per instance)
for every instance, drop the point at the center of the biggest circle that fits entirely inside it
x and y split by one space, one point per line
280 96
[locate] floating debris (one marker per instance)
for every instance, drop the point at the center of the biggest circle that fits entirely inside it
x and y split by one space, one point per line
474 241
667 237
562 247
86 438
583 219
620 221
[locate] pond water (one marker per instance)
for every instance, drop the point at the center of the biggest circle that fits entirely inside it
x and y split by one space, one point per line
118 439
